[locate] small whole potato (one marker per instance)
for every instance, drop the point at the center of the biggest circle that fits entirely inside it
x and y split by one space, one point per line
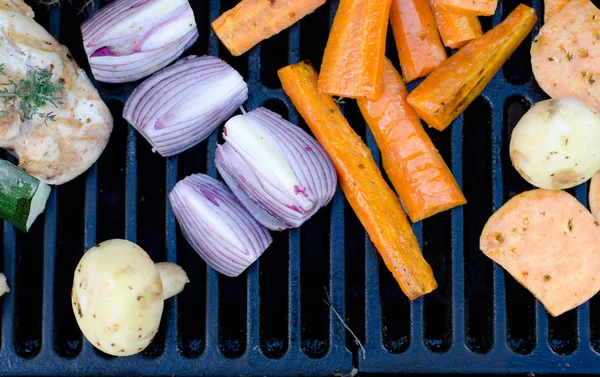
118 295
556 144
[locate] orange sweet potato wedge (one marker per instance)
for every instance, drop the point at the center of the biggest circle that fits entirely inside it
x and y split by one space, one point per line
353 60
451 87
373 201
455 29
417 170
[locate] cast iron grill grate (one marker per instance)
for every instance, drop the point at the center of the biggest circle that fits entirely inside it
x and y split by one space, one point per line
273 320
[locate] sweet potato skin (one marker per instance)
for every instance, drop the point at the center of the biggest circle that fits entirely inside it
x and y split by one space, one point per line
419 45
550 243
353 60
375 204
450 88
413 164
252 21
455 29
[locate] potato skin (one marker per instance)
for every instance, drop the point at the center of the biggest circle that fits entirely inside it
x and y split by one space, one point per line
556 144
117 297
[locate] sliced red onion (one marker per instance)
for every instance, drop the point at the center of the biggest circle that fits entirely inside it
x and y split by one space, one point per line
216 224
130 39
279 172
183 104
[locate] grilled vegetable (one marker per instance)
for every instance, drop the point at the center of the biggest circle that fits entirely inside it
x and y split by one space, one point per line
279 172
131 39
375 204
455 29
353 61
182 105
173 278
556 145
3 285
417 171
419 46
252 21
565 54
449 90
469 7
22 197
216 224
551 7
550 244
118 295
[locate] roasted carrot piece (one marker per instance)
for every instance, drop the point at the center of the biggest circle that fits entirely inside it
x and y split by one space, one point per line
353 61
470 7
456 30
252 21
417 170
552 7
375 204
451 87
419 46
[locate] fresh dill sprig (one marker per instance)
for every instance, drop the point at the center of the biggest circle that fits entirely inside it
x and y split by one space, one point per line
30 94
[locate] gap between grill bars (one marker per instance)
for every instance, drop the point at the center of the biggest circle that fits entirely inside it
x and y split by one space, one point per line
272 320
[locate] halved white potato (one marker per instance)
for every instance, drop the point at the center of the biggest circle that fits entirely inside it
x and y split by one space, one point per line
556 145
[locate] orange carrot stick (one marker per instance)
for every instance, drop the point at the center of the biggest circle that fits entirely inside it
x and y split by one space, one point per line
375 204
252 21
449 90
470 7
419 46
353 61
456 30
552 7
417 170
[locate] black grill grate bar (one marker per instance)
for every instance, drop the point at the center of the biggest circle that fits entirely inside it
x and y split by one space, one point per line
457 263
48 341
8 305
171 251
499 317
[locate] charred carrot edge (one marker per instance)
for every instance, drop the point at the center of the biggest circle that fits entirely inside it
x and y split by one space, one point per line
252 21
375 204
456 30
470 7
451 87
419 46
353 61
417 170
551 7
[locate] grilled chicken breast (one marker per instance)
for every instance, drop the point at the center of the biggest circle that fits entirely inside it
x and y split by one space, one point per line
55 151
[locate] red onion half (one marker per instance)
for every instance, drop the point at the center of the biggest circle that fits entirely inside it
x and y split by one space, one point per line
279 172
183 104
130 39
216 224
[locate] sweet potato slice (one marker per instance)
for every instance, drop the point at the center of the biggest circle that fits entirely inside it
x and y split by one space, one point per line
551 7
550 243
566 52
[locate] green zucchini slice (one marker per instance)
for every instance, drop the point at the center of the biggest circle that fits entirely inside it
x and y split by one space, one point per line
22 196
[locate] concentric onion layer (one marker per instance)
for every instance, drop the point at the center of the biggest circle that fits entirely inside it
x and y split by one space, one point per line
216 224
